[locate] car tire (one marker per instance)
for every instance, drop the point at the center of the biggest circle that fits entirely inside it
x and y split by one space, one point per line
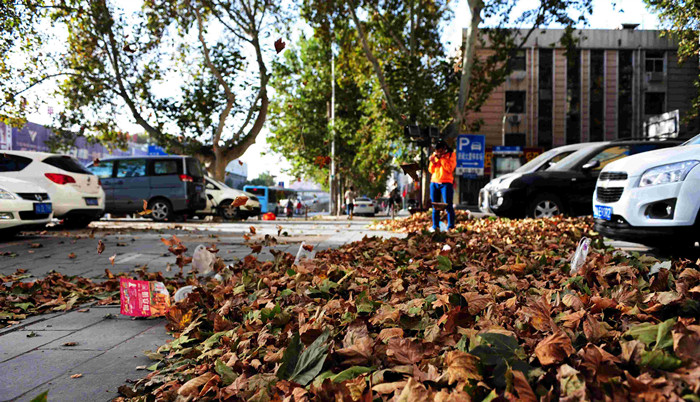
227 213
78 222
545 206
161 210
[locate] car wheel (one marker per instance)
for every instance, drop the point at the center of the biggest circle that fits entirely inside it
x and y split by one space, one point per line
78 222
545 206
227 212
161 210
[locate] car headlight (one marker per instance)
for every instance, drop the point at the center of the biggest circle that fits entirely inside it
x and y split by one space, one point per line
670 173
6 195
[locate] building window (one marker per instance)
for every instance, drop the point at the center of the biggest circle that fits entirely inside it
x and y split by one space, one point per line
516 61
597 96
573 96
544 104
654 62
654 103
515 102
624 98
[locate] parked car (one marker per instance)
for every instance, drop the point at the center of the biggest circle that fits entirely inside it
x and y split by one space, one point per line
363 206
220 197
76 195
566 187
23 206
541 162
171 185
652 199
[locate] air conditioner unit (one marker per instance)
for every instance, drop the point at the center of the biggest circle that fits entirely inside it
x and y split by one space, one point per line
514 119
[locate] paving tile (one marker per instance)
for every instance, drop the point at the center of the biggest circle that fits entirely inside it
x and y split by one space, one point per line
26 372
74 320
16 343
106 334
104 374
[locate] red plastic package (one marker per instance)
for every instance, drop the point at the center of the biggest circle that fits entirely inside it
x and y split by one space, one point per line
143 298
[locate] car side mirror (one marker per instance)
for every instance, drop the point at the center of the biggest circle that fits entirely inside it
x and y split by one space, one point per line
590 166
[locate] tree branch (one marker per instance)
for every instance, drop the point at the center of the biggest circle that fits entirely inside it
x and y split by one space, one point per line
375 63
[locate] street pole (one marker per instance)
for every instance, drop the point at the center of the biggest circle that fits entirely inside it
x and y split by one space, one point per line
334 205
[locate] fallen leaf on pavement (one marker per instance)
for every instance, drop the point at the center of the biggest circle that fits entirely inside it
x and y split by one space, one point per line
76 376
100 247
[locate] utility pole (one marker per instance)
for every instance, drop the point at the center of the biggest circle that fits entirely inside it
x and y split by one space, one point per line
333 204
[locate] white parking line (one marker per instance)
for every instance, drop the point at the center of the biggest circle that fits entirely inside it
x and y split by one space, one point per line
127 258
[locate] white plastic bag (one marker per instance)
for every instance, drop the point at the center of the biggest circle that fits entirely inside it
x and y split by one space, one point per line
580 255
303 253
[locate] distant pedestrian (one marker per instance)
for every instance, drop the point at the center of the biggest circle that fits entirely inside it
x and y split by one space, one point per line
300 206
290 208
350 201
442 165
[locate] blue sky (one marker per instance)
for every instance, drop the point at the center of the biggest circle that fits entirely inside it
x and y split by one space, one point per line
258 157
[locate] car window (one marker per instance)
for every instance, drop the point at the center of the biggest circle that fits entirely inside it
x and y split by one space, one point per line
102 169
67 163
13 163
693 141
194 168
610 154
256 191
211 186
165 167
131 168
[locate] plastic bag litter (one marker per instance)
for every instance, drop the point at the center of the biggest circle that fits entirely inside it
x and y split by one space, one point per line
580 255
303 254
658 266
182 293
203 260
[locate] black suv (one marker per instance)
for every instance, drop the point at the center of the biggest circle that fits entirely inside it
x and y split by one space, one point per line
171 185
568 186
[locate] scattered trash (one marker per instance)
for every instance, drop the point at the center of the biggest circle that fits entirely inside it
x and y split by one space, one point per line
76 376
658 266
143 298
182 293
203 260
304 253
580 255
446 247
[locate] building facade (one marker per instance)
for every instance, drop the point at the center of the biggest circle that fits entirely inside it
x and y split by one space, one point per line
605 89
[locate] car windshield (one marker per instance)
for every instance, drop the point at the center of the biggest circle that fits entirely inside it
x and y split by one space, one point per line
530 166
572 160
693 141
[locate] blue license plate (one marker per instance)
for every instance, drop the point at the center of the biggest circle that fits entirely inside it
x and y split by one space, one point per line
42 208
198 188
602 212
91 201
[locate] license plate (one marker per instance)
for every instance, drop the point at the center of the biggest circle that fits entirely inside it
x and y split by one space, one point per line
42 208
91 201
602 212
198 188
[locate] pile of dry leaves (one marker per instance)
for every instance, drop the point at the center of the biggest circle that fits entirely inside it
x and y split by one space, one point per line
415 222
487 311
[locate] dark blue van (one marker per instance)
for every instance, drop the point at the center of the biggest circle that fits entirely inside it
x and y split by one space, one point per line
171 185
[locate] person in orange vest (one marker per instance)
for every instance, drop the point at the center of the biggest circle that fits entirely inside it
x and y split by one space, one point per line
442 166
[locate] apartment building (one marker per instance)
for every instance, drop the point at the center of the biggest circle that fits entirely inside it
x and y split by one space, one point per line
604 89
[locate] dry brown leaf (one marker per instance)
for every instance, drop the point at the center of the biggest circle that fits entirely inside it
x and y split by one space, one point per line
191 387
554 349
462 367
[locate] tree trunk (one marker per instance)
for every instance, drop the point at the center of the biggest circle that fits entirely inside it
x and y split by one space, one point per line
475 7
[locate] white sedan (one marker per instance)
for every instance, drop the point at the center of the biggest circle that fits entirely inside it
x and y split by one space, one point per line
220 196
23 205
364 206
76 193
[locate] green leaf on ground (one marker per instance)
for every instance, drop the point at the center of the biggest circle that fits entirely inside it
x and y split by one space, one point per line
42 397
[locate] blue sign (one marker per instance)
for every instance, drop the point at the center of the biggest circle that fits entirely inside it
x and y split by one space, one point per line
156 150
470 154
507 150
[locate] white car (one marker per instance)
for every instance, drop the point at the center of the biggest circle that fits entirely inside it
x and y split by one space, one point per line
363 206
652 198
541 162
23 205
76 193
220 196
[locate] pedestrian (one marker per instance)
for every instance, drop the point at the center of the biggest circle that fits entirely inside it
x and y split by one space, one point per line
350 201
299 207
395 198
442 165
290 208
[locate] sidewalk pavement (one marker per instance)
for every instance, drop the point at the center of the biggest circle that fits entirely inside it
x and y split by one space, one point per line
108 347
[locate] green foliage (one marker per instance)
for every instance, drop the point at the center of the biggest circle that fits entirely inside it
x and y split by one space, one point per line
498 353
303 367
263 179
